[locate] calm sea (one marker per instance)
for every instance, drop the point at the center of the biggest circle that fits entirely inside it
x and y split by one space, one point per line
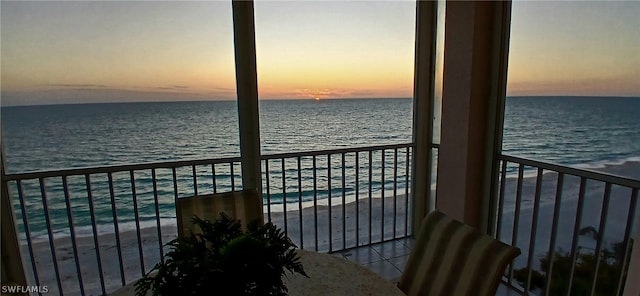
575 131
565 130
66 136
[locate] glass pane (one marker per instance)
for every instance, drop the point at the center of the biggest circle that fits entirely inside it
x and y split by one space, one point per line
334 74
437 104
573 99
61 58
573 82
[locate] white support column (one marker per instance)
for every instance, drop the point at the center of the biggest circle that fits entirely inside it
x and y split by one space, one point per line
247 89
474 86
423 96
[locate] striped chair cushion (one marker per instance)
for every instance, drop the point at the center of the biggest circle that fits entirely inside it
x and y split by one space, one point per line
244 205
451 258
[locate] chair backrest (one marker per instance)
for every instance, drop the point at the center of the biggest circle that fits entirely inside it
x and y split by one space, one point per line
451 258
244 205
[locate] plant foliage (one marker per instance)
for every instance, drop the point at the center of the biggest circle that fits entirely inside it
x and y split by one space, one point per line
610 269
224 260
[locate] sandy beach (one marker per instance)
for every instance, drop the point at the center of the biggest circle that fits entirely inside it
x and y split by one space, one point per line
304 237
350 227
593 201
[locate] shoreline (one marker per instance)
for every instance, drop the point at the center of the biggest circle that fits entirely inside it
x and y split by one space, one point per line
170 221
625 168
614 229
343 221
630 168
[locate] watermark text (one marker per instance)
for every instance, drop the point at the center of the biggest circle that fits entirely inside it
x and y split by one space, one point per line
17 289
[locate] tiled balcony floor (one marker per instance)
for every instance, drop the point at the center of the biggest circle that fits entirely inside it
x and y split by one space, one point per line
388 259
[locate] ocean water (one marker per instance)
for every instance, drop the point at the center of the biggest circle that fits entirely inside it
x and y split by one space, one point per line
70 136
574 131
596 133
583 132
67 136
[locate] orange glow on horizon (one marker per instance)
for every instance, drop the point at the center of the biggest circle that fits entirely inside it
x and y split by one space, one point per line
305 50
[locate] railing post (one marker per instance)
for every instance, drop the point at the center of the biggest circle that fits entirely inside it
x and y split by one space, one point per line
423 96
11 260
247 90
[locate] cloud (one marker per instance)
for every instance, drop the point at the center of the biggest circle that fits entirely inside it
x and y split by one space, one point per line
327 93
78 86
607 86
173 87
334 93
225 89
79 94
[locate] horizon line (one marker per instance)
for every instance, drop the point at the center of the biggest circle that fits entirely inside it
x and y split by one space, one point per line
292 99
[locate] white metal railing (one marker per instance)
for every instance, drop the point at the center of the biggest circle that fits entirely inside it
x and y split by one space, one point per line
574 227
92 230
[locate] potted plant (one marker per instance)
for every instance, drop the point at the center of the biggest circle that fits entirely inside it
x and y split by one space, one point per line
225 260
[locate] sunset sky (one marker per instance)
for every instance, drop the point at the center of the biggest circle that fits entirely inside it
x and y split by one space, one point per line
61 52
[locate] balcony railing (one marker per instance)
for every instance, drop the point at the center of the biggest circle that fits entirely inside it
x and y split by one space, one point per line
92 230
574 227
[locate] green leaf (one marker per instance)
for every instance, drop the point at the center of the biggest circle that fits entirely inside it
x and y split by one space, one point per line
224 258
